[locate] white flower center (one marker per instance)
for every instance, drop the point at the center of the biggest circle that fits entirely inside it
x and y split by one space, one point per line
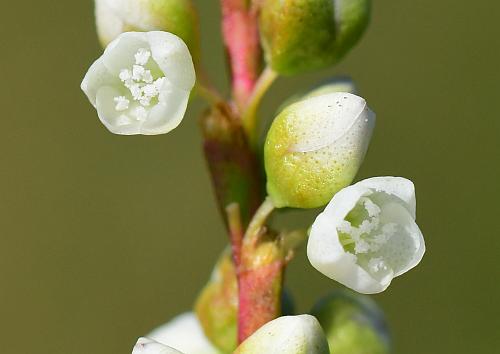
364 235
141 84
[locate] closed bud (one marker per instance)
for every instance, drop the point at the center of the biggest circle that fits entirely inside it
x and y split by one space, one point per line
179 17
289 334
315 147
353 324
217 305
304 35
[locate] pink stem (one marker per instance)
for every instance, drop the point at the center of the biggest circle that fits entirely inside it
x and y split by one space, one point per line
240 32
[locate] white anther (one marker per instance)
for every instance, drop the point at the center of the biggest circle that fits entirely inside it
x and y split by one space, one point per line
122 103
142 56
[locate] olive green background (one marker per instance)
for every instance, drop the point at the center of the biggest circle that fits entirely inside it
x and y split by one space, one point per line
103 237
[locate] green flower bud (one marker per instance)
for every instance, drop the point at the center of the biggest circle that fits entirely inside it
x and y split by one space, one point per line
315 147
289 334
353 324
179 17
217 305
304 35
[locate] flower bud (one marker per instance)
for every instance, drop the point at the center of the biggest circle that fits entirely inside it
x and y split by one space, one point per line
289 334
217 305
315 147
141 84
303 35
367 234
148 346
353 324
179 17
185 334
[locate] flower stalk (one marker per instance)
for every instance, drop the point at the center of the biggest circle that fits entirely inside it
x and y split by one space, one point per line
241 38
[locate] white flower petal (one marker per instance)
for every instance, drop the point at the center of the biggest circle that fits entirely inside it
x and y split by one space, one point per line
173 57
118 122
328 256
184 333
168 113
407 247
120 53
148 346
96 77
351 116
400 187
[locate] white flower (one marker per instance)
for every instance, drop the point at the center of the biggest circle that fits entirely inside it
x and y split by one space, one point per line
141 84
367 234
148 346
184 333
288 334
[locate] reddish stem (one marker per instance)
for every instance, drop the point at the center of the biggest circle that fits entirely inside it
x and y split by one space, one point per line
240 32
259 297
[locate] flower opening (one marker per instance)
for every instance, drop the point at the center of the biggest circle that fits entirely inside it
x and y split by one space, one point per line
367 234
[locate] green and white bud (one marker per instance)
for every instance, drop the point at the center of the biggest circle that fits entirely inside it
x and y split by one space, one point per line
353 324
304 35
288 334
315 147
179 17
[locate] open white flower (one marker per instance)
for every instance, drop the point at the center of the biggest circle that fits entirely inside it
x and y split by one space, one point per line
184 333
149 346
367 234
141 84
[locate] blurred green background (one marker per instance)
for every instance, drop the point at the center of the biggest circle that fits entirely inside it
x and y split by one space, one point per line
103 237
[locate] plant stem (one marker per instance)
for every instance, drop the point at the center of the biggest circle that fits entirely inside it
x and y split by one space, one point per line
249 116
260 274
235 232
240 32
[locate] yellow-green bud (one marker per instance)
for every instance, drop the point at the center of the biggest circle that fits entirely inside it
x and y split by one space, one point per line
217 305
288 334
315 147
304 35
179 17
353 324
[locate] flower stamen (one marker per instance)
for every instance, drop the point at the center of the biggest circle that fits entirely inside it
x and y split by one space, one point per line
141 84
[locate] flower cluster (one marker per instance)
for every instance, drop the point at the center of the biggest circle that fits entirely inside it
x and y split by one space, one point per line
365 236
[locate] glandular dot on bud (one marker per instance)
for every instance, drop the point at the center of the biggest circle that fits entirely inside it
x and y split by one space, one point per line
303 35
315 147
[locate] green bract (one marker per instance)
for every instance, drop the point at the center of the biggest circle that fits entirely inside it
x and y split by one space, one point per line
315 147
179 17
353 324
304 35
